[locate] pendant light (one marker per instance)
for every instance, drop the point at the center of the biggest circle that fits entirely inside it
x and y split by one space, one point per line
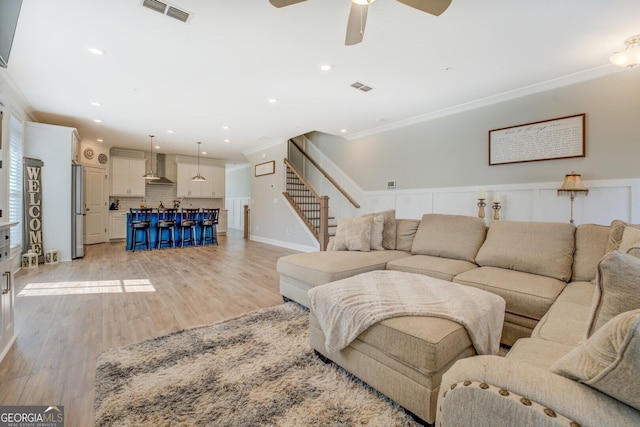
150 175
198 177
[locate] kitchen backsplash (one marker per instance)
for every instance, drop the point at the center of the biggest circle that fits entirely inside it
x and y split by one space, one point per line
165 194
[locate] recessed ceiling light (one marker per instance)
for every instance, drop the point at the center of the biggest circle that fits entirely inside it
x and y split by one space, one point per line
171 131
343 131
325 67
227 140
96 104
100 140
204 153
96 51
156 146
272 100
97 120
225 127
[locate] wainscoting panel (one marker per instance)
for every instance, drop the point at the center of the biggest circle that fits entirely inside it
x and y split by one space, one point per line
607 200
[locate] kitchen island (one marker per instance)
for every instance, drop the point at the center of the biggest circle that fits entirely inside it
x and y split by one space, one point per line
153 232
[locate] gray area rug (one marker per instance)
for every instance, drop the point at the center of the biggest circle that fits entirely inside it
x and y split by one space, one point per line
254 370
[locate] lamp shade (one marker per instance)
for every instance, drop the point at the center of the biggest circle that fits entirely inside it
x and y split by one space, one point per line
572 184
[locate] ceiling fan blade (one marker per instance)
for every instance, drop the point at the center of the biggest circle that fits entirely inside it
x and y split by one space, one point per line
433 7
283 3
356 23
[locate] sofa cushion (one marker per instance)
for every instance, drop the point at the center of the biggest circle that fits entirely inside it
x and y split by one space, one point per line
318 268
609 360
527 295
543 248
405 232
353 234
567 320
538 352
441 268
617 288
449 236
425 343
591 244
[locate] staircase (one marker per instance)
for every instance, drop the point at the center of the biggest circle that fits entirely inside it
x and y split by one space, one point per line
312 208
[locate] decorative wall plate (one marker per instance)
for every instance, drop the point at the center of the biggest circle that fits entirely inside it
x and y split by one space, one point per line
102 158
88 153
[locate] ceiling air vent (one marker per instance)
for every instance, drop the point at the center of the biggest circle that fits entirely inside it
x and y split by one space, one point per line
167 9
361 86
156 5
178 14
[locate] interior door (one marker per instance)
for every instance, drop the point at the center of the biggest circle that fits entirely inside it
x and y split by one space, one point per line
96 197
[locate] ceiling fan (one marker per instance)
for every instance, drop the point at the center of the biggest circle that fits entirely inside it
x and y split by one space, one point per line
358 14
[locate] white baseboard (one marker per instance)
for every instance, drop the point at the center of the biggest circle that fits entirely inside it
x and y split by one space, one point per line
283 244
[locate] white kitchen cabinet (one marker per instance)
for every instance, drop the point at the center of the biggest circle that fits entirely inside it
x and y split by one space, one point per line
117 225
7 316
126 177
212 188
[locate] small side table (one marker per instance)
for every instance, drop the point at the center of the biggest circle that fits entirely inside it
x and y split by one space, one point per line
30 260
51 256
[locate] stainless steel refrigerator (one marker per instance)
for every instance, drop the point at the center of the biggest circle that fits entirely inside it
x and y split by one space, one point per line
77 211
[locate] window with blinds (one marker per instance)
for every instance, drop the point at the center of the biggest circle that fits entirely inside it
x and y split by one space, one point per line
15 179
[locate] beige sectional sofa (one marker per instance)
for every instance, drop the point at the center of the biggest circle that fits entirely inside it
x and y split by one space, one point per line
544 271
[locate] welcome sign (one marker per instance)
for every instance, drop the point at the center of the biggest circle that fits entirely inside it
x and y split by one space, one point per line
32 240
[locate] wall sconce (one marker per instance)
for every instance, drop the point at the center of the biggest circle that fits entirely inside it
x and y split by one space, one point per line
572 186
630 56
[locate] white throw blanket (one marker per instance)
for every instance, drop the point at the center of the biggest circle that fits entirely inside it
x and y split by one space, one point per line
348 307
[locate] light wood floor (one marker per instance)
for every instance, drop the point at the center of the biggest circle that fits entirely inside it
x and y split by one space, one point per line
68 313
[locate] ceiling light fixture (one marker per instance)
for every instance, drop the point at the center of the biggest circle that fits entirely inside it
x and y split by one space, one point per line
198 177
96 51
96 104
171 131
97 120
630 56
100 140
325 67
272 100
150 174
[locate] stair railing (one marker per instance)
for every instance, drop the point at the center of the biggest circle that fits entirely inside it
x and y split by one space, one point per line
325 174
312 208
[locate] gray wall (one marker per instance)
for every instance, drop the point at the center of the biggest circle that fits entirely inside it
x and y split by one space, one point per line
238 182
453 150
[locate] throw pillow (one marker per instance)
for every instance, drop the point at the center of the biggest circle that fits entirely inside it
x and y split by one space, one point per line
630 239
389 229
353 234
609 361
616 232
617 288
377 225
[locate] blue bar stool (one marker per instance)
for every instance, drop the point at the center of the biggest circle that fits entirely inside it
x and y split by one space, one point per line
188 222
166 222
140 221
210 222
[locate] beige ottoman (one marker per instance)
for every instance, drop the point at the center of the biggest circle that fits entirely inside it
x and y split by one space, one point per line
404 358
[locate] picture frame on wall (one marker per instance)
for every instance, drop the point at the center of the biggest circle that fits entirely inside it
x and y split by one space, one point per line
266 168
552 139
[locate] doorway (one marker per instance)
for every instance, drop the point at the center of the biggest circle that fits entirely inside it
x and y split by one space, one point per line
96 197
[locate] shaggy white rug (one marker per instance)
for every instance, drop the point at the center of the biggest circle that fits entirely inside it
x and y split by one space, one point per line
254 370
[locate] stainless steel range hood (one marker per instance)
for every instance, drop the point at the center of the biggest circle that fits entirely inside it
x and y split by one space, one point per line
161 168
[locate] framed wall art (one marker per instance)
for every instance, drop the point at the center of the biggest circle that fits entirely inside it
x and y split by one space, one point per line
560 138
266 168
